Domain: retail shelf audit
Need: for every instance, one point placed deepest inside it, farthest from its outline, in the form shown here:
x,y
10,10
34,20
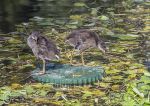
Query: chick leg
x,y
82,59
71,57
43,71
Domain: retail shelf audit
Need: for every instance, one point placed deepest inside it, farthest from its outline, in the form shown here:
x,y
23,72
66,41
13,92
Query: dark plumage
x,y
42,48
85,39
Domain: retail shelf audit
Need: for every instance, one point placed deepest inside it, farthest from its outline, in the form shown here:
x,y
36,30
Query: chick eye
x,y
77,45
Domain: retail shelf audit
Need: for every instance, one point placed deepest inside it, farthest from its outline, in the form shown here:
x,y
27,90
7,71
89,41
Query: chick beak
x,y
103,49
57,57
66,41
33,38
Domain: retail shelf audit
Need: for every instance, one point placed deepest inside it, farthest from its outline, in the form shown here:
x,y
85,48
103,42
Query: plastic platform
x,y
65,74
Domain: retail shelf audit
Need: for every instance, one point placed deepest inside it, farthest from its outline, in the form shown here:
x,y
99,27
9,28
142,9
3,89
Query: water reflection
x,y
18,11
13,12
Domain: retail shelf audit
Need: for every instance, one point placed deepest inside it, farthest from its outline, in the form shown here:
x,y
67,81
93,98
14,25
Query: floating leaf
x,y
115,87
40,100
2,102
103,18
145,79
102,84
18,93
146,73
37,86
29,89
42,93
138,92
76,17
86,94
80,4
14,41
145,87
5,95
16,86
94,11
89,25
117,77
125,37
98,93
112,71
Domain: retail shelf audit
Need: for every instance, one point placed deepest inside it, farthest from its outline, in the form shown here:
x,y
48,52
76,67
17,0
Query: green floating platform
x,y
65,74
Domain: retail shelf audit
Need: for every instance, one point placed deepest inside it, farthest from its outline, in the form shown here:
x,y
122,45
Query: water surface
x,y
126,36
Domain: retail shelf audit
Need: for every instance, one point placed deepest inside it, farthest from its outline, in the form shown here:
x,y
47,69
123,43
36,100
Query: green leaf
x,y
128,101
103,18
43,93
138,92
125,36
145,87
94,11
86,94
18,93
145,79
80,4
2,102
5,95
146,73
29,89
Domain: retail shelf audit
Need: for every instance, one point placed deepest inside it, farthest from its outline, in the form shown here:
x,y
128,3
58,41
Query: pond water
x,y
125,30
12,13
